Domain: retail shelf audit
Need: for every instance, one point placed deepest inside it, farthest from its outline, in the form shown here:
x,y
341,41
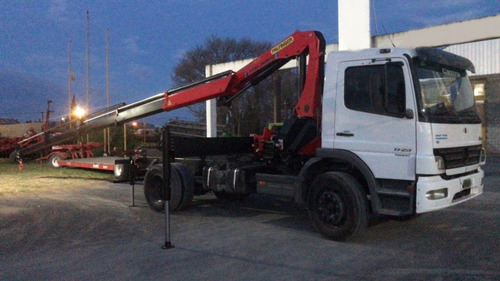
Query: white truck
x,y
385,131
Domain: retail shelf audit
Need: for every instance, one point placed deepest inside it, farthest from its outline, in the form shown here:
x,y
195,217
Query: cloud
x,y
140,71
131,44
58,10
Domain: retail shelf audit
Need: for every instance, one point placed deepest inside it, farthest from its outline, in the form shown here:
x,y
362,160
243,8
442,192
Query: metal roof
x,y
485,55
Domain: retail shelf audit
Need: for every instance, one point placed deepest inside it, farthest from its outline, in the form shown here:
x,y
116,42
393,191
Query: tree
x,y
259,105
215,50
253,108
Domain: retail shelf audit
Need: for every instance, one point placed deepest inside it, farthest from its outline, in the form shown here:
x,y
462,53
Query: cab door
x,y
375,116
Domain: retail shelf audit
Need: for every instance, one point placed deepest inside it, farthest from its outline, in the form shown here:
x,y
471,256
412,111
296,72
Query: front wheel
x,y
338,206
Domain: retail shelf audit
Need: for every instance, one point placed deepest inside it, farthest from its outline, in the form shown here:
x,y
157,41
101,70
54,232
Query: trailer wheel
x,y
54,160
181,183
338,206
12,157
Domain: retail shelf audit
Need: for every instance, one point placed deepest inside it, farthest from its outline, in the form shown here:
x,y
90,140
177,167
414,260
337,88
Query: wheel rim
x,y
55,162
331,208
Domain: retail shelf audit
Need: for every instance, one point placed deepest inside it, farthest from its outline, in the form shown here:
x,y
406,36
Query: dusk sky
x,y
147,39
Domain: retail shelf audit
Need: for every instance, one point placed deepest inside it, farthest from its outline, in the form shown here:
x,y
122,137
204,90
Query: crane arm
x,y
298,44
227,84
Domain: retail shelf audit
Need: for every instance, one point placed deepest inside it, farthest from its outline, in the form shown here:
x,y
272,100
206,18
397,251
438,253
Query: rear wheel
x,y
181,184
338,206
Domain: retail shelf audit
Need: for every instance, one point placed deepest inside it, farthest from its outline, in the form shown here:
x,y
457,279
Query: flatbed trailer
x,y
119,165
105,163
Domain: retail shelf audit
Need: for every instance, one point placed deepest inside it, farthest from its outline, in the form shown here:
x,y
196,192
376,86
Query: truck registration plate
x,y
466,183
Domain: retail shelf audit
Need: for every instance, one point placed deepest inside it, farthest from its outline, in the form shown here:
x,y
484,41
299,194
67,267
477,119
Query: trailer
x,y
104,163
68,152
117,165
80,156
10,146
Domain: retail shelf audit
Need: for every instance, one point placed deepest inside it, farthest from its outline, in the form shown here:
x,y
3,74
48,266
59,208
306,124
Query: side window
x,y
378,89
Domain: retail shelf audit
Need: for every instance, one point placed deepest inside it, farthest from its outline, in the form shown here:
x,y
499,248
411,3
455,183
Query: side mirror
x,y
409,113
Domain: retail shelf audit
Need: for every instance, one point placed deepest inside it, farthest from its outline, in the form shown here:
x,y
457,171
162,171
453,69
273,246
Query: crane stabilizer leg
x,y
166,184
132,172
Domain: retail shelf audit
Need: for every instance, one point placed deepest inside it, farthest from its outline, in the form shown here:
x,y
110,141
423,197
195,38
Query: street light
x,y
79,112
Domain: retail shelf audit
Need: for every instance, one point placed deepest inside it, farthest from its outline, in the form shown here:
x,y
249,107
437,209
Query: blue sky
x,y
147,38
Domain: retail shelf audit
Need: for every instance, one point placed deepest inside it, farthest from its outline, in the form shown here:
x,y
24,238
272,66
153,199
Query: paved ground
x,y
89,232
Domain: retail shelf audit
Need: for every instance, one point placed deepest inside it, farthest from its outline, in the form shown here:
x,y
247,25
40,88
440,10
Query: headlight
x,y
437,194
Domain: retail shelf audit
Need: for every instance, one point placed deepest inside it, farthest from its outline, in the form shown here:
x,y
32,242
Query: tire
x,y
122,170
187,183
338,207
13,157
54,159
181,184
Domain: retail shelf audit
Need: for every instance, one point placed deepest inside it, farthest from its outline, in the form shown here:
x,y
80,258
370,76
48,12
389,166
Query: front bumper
x,y
458,190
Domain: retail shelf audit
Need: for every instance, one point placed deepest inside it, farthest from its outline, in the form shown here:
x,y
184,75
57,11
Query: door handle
x,y
345,134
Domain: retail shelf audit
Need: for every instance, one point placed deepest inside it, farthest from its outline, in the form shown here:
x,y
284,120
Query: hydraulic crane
x,y
224,86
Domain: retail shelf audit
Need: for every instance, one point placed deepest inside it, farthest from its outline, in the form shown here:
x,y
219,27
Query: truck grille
x,y
457,157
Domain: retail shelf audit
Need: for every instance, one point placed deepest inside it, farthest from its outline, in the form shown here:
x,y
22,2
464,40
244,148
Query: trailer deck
x,y
106,163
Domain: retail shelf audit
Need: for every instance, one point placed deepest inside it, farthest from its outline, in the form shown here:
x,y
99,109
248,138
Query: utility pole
x,y
107,145
107,67
71,78
88,67
88,64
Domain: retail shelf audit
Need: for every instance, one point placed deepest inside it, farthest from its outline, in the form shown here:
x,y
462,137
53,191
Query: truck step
x,y
391,192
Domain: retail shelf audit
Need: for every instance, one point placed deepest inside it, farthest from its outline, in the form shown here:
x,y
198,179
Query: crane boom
x,y
224,85
297,44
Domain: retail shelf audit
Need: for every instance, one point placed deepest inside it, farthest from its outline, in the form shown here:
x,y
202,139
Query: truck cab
x,y
406,119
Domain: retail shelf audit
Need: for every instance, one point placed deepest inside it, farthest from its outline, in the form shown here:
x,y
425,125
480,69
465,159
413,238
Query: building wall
x,y
485,55
492,112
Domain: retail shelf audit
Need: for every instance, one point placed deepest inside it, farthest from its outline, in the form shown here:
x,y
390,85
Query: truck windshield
x,y
446,94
